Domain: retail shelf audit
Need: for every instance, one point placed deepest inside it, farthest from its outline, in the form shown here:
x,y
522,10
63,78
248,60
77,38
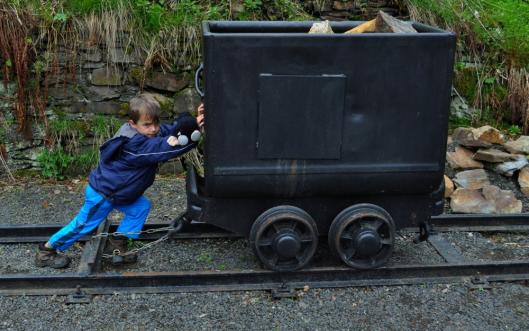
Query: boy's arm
x,y
166,129
162,148
153,150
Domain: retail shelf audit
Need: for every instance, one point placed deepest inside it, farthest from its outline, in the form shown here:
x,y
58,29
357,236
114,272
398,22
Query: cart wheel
x,y
284,238
362,236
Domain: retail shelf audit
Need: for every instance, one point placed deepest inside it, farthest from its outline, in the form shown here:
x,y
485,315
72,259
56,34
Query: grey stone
x,y
128,93
19,145
508,168
470,201
462,159
166,81
93,65
87,45
91,55
460,109
523,180
472,179
465,137
504,200
61,92
520,145
491,200
489,134
321,27
187,100
449,186
493,155
57,77
104,107
106,76
119,56
101,93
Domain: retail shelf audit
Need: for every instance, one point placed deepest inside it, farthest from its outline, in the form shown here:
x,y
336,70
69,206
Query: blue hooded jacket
x,y
128,162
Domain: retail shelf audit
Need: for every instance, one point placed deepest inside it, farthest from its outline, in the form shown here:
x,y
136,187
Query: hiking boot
x,y
48,257
117,246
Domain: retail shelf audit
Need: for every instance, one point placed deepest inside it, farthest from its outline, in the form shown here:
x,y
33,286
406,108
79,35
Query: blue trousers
x,y
94,211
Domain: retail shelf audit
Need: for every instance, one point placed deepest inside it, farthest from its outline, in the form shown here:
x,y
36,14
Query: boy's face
x,y
146,126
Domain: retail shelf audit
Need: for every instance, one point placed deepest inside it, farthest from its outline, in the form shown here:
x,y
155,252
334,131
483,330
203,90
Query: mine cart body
x,y
321,122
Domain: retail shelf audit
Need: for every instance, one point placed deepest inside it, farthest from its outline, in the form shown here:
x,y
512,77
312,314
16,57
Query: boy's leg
x,y
94,210
92,213
135,216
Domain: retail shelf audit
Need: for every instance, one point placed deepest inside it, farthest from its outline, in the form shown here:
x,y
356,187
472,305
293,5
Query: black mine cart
x,y
311,135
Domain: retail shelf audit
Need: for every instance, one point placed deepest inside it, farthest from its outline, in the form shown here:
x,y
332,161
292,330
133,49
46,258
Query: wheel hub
x,y
367,242
287,245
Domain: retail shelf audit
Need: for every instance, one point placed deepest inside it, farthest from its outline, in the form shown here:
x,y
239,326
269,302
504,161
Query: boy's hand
x,y
200,117
172,141
186,124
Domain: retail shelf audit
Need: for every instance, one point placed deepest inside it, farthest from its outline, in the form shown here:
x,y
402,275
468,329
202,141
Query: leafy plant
x,y
252,10
134,244
60,17
514,130
54,162
205,258
455,122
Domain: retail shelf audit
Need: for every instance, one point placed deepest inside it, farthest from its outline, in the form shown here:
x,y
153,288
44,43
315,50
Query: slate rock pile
x,y
477,153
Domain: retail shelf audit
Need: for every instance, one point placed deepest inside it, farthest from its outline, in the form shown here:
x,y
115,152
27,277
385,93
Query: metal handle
x,y
197,80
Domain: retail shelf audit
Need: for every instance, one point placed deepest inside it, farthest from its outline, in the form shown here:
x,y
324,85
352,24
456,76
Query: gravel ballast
x,y
432,307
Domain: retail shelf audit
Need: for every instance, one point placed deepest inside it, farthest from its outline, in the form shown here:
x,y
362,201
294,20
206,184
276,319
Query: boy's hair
x,y
145,105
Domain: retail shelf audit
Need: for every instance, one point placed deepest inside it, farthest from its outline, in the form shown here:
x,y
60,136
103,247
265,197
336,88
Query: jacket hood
x,y
109,149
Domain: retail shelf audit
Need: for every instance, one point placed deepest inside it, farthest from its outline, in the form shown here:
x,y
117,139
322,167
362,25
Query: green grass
x,y
493,39
103,127
499,25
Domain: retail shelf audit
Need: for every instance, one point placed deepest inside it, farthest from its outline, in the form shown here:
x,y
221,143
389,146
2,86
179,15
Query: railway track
x,y
88,280
28,233
32,233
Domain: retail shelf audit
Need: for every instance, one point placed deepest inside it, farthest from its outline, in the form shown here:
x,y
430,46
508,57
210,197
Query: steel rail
x,y
480,222
31,233
34,233
171,282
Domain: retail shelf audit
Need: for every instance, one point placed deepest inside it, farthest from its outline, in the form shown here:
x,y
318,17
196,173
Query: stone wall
x,y
102,81
354,10
103,84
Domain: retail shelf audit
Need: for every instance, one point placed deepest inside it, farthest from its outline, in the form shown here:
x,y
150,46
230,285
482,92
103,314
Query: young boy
x,y
126,168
